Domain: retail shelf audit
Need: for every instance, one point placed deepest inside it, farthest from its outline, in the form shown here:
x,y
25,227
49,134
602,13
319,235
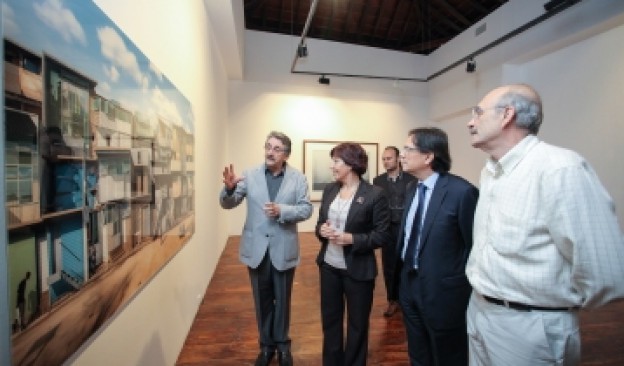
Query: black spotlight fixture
x,y
302,50
471,65
555,5
324,80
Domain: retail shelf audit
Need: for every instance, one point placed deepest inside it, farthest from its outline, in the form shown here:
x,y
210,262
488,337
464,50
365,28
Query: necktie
x,y
413,246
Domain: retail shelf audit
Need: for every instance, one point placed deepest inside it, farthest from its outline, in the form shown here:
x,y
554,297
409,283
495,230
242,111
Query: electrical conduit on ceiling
x,y
552,8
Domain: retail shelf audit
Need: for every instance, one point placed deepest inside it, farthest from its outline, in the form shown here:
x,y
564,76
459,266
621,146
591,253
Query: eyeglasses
x,y
275,149
407,149
478,111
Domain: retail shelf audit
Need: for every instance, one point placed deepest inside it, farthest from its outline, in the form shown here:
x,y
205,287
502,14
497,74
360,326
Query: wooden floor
x,y
224,332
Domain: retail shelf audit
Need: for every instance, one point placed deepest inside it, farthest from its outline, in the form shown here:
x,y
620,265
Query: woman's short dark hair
x,y
433,140
353,155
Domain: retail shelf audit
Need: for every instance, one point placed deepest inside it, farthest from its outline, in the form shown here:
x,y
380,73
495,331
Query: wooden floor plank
x,y
224,332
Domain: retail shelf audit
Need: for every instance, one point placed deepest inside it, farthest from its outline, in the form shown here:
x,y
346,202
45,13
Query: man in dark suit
x,y
433,247
394,182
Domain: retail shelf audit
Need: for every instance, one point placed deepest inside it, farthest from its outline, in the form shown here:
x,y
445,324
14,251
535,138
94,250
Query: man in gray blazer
x,y
277,199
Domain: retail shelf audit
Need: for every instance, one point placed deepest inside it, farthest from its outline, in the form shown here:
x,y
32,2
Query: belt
x,y
523,307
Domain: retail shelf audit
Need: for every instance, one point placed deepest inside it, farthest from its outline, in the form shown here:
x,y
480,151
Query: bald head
x,y
504,117
526,103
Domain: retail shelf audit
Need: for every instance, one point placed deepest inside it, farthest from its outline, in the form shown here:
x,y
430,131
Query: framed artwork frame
x,y
317,163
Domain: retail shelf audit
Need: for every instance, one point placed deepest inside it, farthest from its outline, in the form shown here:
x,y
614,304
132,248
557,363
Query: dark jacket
x,y
446,241
367,221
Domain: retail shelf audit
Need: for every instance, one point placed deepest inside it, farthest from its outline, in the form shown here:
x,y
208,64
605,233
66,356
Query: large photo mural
x,y
99,188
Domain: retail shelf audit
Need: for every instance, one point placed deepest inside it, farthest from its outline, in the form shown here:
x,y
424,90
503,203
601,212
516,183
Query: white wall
x,y
377,111
583,109
581,87
152,327
349,109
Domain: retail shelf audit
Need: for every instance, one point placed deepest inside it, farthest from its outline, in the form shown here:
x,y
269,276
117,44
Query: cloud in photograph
x,y
114,49
60,19
103,89
8,20
189,122
111,73
156,71
165,107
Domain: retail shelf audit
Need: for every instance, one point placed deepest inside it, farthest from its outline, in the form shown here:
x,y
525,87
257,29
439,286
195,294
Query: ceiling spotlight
x,y
471,65
302,50
559,4
324,80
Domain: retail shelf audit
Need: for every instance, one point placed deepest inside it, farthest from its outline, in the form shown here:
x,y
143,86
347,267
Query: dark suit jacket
x,y
446,240
398,189
367,220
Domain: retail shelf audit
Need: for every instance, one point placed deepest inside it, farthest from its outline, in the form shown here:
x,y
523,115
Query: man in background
x,y
394,183
21,301
546,239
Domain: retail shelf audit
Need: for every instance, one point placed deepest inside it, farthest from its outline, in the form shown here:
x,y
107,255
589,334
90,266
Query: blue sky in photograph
x,y
79,35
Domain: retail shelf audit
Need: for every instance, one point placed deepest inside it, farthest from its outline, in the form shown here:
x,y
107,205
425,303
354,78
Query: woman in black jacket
x,y
353,222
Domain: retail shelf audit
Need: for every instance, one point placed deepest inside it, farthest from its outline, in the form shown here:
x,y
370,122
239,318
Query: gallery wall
x,y
270,98
579,77
383,111
152,328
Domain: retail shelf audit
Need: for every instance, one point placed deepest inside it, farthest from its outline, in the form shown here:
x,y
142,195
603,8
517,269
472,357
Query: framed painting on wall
x,y
317,164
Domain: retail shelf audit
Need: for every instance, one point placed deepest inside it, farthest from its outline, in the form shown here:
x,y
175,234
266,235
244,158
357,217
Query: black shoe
x,y
264,358
284,358
393,307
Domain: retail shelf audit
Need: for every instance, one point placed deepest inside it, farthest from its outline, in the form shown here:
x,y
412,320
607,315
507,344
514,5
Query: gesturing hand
x,y
229,177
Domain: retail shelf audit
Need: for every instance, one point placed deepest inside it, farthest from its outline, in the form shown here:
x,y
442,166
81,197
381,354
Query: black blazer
x,y
367,221
446,241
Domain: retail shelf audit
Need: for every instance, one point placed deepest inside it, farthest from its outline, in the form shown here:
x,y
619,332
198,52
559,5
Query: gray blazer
x,y
261,232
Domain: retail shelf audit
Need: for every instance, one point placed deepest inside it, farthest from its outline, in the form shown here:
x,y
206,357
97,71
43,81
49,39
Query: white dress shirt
x,y
545,231
409,220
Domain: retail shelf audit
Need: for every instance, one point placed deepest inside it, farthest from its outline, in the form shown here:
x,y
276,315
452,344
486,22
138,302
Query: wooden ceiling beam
x,y
406,24
435,13
343,33
403,25
359,24
373,32
328,29
483,10
453,11
393,17
279,16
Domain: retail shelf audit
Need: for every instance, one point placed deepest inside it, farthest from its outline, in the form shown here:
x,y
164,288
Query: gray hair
x,y
527,105
283,138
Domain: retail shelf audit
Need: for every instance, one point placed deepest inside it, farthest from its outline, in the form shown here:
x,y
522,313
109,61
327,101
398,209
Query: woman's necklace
x,y
341,205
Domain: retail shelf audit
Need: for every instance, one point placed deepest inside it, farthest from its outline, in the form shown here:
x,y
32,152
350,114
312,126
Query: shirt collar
x,y
398,177
431,181
267,171
509,161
